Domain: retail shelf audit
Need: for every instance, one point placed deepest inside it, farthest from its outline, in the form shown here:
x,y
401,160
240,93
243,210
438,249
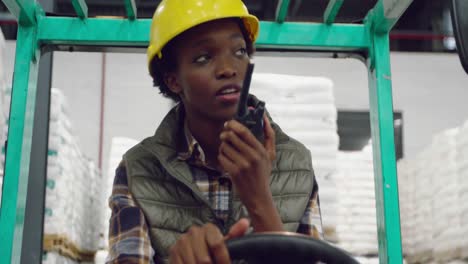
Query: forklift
x,y
39,34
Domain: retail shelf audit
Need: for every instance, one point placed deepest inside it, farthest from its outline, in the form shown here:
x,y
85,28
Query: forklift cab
x,y
39,34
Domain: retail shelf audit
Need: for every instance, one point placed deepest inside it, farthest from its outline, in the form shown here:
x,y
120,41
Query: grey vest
x,y
163,187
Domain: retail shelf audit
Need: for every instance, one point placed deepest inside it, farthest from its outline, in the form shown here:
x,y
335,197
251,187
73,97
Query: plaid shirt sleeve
x,y
129,240
311,222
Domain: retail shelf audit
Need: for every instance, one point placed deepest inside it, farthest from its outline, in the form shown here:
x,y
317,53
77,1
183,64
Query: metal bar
x,y
386,13
18,151
123,32
386,185
332,10
131,9
282,10
94,31
23,10
81,8
31,251
336,37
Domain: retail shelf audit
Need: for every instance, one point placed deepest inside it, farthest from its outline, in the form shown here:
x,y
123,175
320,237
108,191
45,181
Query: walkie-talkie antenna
x,y
242,107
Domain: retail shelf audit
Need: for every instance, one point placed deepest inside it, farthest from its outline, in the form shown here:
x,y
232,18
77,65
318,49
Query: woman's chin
x,y
227,113
225,116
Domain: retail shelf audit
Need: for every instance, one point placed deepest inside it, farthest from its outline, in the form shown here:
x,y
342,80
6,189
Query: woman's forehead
x,y
226,28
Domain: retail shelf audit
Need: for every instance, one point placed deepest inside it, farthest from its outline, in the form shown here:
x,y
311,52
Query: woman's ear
x,y
172,83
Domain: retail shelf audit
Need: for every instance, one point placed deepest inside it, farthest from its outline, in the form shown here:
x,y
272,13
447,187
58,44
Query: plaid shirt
x,y
129,240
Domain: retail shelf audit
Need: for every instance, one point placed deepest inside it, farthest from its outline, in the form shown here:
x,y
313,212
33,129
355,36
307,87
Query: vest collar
x,y
169,140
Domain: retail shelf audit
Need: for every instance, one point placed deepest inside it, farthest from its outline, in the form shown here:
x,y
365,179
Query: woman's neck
x,y
206,132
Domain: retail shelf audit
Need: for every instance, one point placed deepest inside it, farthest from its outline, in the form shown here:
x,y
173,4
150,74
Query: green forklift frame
x,y
369,40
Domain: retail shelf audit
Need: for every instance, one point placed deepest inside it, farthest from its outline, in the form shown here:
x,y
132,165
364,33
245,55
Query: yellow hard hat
x,y
173,17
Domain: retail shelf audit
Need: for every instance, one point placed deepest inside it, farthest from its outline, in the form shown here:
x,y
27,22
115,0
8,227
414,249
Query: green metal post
x,y
18,152
386,14
282,10
383,143
131,9
81,8
23,10
332,10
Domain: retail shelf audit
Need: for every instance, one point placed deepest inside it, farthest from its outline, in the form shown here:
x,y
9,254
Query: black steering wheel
x,y
285,248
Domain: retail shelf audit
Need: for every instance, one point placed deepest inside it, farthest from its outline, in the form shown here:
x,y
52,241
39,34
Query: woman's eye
x,y
201,59
241,52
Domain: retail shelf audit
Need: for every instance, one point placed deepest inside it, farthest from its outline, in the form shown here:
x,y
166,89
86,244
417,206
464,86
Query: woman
x,y
203,177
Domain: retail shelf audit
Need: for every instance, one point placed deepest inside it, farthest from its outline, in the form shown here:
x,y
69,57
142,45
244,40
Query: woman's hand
x,y
205,244
249,164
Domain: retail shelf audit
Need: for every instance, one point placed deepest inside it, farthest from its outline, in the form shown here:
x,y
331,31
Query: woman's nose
x,y
226,68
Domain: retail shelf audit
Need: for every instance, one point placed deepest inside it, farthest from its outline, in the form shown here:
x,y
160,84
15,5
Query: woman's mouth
x,y
228,94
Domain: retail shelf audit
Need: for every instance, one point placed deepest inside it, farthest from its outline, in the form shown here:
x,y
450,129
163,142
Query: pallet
x,y
65,247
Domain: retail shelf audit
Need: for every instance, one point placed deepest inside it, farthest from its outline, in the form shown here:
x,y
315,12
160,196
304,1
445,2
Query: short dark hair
x,y
168,63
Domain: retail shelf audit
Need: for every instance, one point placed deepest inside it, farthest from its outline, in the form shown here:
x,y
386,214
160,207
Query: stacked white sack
x,y
446,203
1,186
456,261
434,226
422,216
357,222
364,260
73,206
59,169
304,107
101,257
371,260
119,146
5,97
55,258
406,188
462,171
5,107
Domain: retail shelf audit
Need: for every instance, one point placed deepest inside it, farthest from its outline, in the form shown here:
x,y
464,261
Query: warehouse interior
x,y
103,102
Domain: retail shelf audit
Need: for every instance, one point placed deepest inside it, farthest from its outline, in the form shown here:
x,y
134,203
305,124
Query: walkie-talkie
x,y
251,117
